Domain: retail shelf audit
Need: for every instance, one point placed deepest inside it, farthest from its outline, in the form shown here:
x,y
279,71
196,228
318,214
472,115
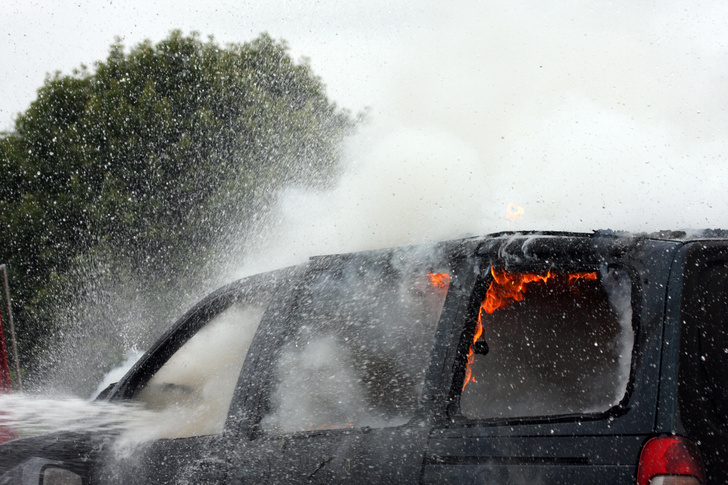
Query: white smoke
x,y
618,286
588,115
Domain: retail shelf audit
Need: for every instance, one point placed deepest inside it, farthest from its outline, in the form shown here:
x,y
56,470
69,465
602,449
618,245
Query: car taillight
x,y
670,460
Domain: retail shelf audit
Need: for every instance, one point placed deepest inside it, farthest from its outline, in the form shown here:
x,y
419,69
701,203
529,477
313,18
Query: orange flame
x,y
505,288
577,276
439,280
514,211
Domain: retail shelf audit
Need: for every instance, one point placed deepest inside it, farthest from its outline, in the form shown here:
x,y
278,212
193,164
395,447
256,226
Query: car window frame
x,y
464,329
256,402
191,322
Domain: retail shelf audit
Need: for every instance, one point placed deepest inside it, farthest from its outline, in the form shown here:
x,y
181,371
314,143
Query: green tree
x,y
147,158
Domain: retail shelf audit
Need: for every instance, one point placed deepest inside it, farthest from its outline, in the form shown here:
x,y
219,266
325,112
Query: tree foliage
x,y
149,154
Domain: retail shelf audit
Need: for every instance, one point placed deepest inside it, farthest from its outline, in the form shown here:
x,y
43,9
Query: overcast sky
x,y
351,44
588,114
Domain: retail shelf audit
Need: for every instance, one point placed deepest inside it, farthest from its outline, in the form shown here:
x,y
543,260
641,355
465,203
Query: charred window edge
x,y
464,331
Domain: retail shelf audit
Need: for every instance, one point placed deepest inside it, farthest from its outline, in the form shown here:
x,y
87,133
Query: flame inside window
x,y
505,288
441,281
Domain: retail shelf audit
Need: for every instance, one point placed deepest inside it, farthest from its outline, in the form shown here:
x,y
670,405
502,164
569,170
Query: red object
x,y
672,456
4,367
7,433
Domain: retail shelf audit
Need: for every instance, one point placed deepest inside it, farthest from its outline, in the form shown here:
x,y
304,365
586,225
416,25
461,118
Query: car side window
x,y
547,344
703,364
708,313
192,391
360,347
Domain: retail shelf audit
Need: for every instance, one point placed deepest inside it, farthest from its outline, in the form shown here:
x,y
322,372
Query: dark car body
x,y
371,368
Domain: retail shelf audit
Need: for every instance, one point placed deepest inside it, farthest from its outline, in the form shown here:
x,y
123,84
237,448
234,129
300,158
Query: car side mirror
x,y
40,471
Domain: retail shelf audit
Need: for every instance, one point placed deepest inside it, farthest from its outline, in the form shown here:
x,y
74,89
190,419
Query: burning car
x,y
547,358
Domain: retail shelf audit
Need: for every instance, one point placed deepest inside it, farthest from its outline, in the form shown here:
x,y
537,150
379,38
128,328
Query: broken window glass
x,y
193,390
360,348
549,344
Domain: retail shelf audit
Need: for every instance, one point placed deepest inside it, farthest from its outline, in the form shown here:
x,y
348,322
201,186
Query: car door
x,y
187,381
341,394
541,388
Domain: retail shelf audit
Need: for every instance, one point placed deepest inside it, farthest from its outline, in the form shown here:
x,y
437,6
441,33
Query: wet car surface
x,y
511,358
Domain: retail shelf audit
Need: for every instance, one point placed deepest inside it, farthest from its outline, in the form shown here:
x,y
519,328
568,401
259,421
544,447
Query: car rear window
x,y
546,344
361,339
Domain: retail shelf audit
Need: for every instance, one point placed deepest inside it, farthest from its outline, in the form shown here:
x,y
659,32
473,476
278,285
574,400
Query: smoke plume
x,y
589,116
